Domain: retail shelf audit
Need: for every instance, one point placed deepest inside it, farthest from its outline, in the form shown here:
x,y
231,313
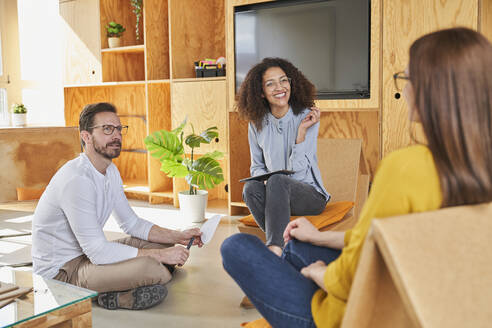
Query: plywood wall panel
x,y
361,124
31,156
405,21
132,167
120,11
159,114
157,39
486,18
204,104
81,42
239,157
121,66
198,32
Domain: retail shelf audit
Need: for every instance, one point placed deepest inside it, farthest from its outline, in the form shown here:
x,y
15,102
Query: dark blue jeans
x,y
273,284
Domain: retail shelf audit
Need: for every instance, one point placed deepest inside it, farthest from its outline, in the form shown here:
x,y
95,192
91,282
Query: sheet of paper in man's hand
x,y
209,227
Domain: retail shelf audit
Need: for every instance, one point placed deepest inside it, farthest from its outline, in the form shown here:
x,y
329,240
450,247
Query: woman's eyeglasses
x,y
284,82
108,129
400,79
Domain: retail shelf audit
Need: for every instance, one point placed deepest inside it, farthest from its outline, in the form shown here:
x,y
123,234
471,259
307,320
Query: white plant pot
x,y
19,119
192,207
114,42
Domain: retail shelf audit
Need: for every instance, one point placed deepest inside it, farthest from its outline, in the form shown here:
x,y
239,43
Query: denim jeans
x,y
273,203
273,284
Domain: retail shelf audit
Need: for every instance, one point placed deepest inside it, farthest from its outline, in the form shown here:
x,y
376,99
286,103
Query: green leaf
x,y
214,155
206,173
205,137
180,128
164,145
174,169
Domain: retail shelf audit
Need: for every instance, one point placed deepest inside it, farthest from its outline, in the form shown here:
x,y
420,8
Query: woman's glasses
x,y
108,129
400,79
284,82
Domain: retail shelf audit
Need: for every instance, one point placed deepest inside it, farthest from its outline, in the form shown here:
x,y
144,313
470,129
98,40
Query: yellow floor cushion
x,y
333,212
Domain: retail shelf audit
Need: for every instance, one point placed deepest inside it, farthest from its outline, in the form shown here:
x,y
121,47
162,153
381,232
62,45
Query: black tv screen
x,y
328,40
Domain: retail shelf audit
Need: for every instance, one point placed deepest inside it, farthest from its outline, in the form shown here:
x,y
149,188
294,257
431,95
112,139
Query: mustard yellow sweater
x,y
406,182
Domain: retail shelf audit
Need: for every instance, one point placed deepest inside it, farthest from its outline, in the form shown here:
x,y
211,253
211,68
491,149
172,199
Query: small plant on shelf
x,y
167,146
19,109
137,10
19,115
114,32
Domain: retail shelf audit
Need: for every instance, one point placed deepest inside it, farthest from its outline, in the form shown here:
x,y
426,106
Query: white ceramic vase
x,y
114,42
192,207
19,119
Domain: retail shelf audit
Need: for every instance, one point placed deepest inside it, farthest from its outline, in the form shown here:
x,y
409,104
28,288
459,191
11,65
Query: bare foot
x,y
276,250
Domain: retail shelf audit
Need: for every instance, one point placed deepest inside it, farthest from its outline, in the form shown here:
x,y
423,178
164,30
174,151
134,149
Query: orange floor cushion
x,y
260,323
29,193
333,212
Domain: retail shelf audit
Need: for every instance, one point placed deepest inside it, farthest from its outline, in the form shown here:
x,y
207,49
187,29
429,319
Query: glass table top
x,y
47,295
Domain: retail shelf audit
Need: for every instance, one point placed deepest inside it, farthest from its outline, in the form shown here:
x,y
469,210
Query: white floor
x,y
201,293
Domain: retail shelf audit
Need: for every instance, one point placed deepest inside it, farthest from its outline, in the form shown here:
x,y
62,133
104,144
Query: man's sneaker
x,y
139,298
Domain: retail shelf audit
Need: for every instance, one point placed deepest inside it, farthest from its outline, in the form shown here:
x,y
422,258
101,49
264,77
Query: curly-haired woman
x,y
277,100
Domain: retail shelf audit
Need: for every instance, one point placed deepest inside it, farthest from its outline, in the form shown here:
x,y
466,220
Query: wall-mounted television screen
x,y
328,40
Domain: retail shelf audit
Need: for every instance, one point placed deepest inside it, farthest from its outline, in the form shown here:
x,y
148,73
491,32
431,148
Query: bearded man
x,y
68,241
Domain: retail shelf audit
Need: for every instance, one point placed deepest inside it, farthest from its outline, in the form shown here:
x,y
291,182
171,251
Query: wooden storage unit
x,y
136,77
380,121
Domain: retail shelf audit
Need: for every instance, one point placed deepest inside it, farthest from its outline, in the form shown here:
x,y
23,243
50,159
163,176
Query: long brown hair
x,y
451,75
253,107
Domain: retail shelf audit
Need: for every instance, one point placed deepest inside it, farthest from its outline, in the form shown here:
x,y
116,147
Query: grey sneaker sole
x,y
143,298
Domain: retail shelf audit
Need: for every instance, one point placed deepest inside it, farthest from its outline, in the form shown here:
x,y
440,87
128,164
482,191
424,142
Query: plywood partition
x,y
239,156
354,124
45,149
123,66
404,22
203,103
120,11
157,39
486,18
197,32
159,117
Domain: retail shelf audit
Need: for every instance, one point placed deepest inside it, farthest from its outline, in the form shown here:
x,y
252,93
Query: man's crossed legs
x,y
135,284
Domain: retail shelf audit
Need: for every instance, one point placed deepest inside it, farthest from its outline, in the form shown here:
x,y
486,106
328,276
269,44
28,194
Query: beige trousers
x,y
124,275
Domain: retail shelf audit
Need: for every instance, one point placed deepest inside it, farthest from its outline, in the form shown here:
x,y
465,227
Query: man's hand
x,y
172,255
316,272
311,119
302,230
185,236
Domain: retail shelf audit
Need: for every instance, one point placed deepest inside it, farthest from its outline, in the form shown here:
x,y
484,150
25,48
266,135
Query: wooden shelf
x,y
239,204
127,49
200,79
136,186
158,81
105,84
168,193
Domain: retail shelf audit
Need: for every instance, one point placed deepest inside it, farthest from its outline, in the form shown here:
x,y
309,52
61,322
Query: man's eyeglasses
x,y
284,82
400,79
108,129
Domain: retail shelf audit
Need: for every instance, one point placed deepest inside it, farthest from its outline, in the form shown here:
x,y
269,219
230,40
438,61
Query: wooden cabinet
x,y
151,82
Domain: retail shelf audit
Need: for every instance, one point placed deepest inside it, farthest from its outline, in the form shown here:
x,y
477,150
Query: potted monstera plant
x,y
19,115
200,173
114,31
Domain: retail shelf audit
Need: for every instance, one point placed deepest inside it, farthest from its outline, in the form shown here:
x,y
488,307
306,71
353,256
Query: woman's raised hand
x,y
311,119
302,230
